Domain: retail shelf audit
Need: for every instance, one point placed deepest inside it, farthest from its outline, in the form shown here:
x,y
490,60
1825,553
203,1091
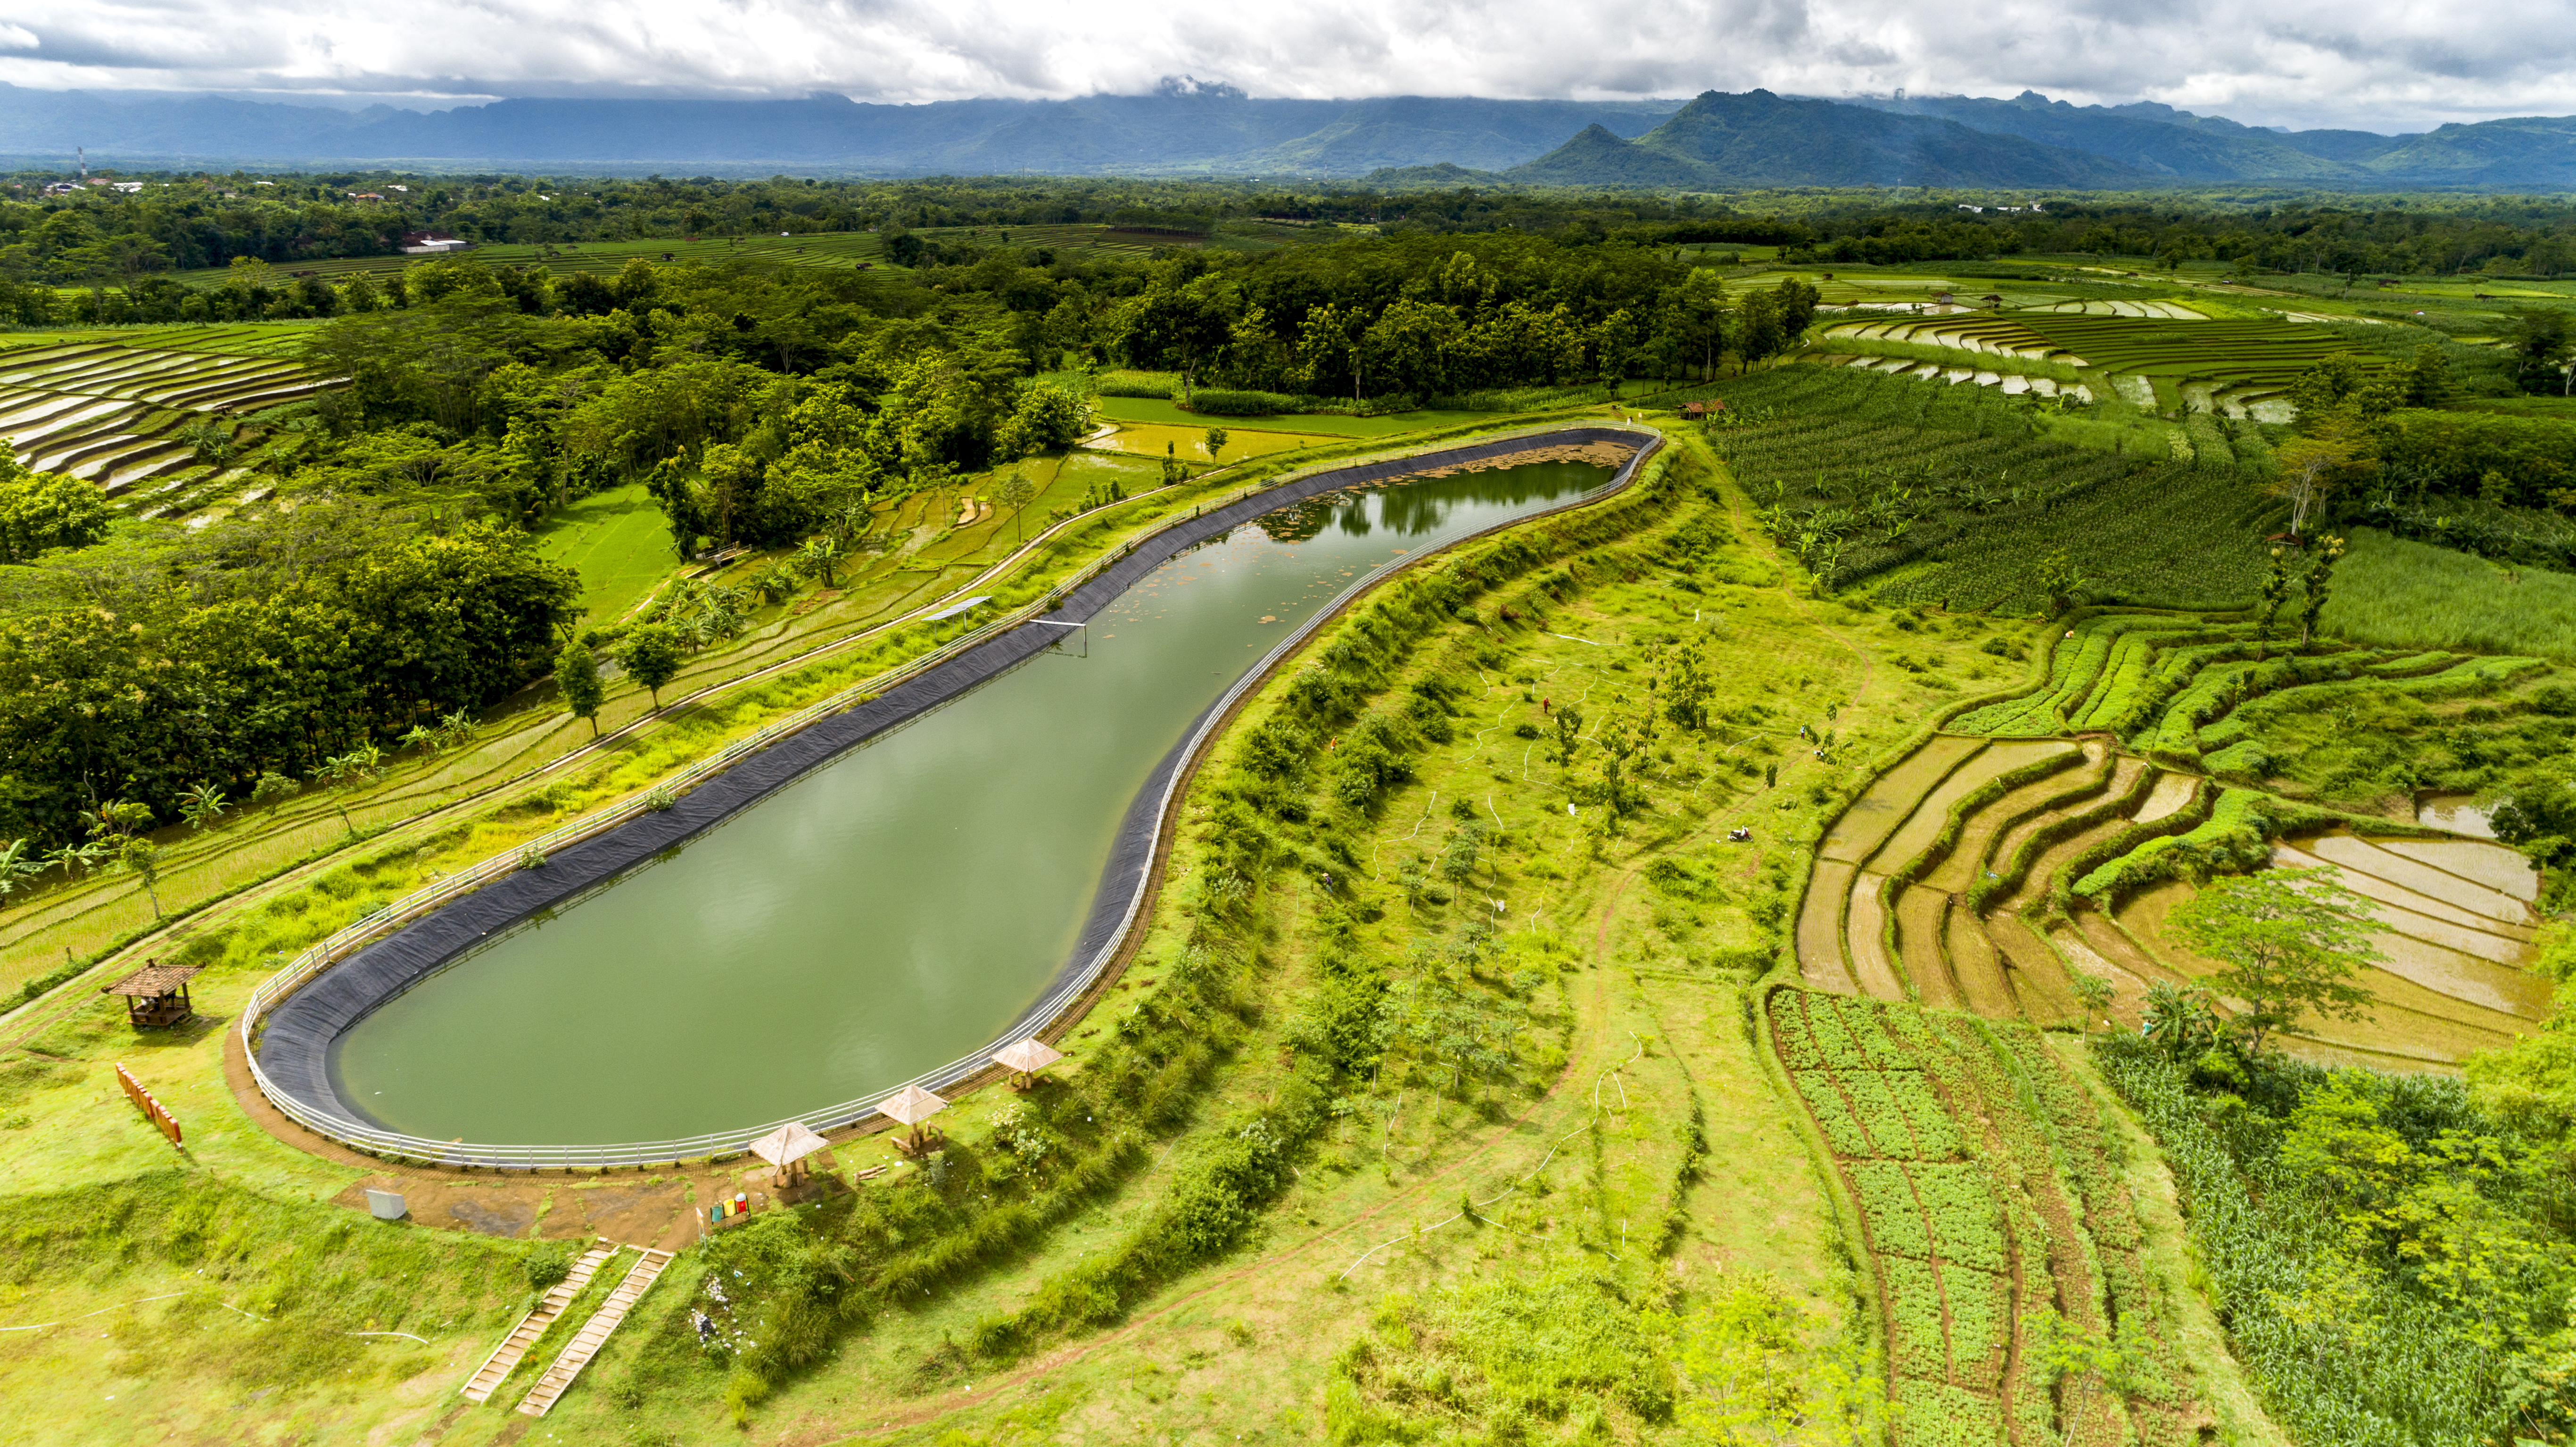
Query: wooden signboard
x,y
152,1109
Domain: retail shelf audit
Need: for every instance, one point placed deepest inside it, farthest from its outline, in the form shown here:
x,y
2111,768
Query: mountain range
x,y
1716,141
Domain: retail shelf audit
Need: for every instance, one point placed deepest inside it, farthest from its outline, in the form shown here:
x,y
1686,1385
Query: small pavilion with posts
x,y
786,1150
156,996
1024,1059
910,1107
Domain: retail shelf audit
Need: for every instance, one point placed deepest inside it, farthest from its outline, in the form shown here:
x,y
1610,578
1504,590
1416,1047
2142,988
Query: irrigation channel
x,y
866,903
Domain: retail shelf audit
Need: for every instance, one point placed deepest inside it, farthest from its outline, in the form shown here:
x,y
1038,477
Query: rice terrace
x,y
1639,797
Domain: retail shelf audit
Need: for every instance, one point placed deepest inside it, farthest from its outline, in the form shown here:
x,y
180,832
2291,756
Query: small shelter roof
x,y
912,1105
153,979
1029,1054
790,1142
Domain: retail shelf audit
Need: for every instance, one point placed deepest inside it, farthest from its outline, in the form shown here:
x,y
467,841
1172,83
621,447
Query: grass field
x,y
827,248
2394,592
244,339
618,542
1188,441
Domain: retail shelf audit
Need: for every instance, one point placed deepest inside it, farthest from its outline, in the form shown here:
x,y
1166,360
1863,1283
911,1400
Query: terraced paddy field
x,y
2049,836
112,414
1990,1198
2168,361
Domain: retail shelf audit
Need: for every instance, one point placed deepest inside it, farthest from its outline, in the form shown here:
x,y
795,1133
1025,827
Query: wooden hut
x,y
910,1107
1024,1059
156,995
786,1149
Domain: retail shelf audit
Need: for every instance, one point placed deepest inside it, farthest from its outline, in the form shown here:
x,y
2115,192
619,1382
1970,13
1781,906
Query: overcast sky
x,y
2384,65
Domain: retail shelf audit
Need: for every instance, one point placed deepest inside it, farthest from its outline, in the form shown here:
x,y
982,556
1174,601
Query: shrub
x,y
1138,384
1239,404
546,1270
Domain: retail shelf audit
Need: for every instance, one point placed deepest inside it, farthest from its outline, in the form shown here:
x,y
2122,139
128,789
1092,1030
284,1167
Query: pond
x,y
895,908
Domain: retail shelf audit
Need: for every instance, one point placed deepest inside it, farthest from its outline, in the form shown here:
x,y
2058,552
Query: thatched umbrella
x,y
912,1105
1025,1058
786,1146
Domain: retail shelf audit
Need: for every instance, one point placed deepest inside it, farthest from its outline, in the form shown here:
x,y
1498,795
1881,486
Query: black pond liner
x,y
302,1031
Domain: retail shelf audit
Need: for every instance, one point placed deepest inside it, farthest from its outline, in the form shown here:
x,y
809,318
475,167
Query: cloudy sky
x,y
2382,65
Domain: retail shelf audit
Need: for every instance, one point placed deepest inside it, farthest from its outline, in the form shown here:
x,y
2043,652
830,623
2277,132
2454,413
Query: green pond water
x,y
895,908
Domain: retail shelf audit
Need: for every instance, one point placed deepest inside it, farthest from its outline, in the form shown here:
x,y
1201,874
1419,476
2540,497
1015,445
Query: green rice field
x,y
619,544
2397,593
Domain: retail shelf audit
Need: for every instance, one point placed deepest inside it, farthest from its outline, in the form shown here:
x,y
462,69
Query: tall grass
x,y
2399,594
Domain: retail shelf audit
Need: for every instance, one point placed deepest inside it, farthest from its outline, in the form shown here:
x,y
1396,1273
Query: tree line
x,y
195,220
385,587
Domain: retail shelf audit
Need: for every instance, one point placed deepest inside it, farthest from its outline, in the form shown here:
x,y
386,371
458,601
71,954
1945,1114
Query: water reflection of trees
x,y
1412,509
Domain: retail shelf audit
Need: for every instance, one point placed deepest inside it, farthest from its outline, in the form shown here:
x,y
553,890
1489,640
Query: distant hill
x,y
1760,139
2172,146
1200,129
2523,152
1444,176
2534,152
1716,141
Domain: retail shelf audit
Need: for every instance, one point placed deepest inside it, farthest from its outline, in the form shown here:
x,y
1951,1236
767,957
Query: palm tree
x,y
818,555
17,861
201,806
66,856
348,771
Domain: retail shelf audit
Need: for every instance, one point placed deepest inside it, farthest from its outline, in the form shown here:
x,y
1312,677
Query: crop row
x,y
1859,474
1954,1292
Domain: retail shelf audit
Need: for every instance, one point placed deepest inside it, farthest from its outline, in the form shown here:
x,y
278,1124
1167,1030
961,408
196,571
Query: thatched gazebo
x,y
786,1149
911,1106
1024,1059
156,995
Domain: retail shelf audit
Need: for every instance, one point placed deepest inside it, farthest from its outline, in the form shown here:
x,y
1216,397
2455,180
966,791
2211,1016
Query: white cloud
x,y
2376,64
